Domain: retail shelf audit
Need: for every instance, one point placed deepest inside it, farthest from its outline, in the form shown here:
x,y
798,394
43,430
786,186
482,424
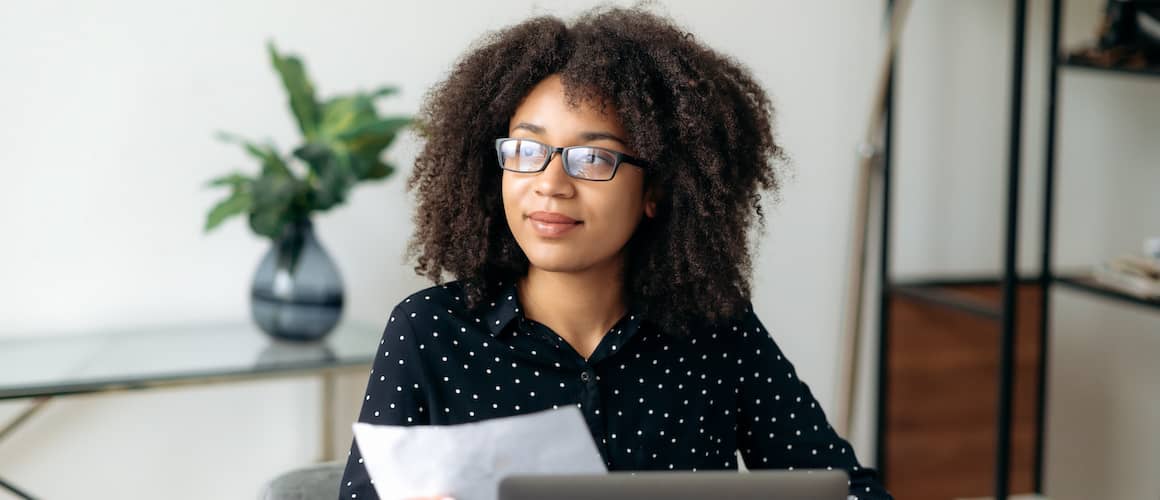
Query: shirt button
x,y
585,376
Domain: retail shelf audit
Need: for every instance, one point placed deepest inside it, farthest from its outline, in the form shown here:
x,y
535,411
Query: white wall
x,y
109,110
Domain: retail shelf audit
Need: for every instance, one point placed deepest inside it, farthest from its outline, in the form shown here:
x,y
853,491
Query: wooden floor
x,y
943,398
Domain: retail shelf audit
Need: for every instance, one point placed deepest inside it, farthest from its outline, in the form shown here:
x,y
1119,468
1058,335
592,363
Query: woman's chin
x,y
556,261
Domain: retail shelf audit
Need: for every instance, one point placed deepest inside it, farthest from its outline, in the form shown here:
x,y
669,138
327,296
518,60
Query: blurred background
x,y
107,139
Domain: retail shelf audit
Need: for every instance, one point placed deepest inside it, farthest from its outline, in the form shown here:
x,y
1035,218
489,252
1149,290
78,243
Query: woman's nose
x,y
554,181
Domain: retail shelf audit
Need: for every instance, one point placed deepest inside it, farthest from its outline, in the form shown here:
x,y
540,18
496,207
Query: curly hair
x,y
698,115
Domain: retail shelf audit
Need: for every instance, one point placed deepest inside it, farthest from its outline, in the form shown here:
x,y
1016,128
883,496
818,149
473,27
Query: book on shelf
x,y
1134,275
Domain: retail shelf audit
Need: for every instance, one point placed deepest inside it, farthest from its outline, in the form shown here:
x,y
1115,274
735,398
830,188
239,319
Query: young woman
x,y
590,187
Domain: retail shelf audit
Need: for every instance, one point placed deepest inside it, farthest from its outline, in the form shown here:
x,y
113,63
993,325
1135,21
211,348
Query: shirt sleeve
x,y
394,396
780,424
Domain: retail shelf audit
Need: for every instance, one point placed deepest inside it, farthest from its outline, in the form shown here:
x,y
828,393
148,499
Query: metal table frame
x,y
327,372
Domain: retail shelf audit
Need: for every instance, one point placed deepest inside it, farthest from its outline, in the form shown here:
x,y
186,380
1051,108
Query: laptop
x,y
752,485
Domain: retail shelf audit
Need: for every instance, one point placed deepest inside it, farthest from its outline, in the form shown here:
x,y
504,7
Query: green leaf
x,y
385,127
276,166
334,181
317,157
273,189
235,180
384,91
239,202
298,88
345,113
251,148
367,143
335,172
275,203
265,153
379,170
313,153
267,222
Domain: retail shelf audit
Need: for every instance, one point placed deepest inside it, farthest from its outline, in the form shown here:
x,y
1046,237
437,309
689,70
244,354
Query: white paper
x,y
467,461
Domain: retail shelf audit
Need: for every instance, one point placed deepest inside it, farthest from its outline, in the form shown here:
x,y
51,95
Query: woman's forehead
x,y
549,110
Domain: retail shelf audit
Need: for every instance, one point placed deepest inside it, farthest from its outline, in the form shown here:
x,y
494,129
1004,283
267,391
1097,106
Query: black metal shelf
x,y
946,292
1067,62
1090,285
945,296
1001,311
943,292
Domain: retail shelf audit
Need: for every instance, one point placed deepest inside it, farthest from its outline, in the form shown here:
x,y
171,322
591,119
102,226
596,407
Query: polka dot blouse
x,y
651,401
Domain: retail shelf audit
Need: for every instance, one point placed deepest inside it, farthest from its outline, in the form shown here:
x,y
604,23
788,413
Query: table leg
x,y
5,485
326,453
9,428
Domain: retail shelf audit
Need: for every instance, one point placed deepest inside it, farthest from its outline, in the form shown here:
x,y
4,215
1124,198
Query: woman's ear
x,y
651,195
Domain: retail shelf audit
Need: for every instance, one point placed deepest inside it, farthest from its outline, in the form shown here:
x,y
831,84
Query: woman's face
x,y
541,207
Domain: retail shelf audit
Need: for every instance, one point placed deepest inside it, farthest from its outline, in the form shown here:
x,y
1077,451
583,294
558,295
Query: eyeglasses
x,y
582,162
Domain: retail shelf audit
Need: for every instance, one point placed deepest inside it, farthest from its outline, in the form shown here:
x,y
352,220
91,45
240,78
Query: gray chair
x,y
314,482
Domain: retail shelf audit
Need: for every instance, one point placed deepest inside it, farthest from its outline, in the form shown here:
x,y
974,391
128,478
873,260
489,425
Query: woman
x,y
591,188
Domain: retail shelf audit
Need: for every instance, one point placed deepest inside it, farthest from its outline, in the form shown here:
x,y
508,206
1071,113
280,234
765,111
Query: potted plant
x,y
297,292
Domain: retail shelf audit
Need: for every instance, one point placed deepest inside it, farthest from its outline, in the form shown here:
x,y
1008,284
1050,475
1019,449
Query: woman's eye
x,y
595,159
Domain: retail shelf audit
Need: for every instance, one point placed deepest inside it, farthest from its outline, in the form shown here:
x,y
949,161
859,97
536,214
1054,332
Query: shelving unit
x,y
1057,61
940,292
1089,285
1132,71
935,291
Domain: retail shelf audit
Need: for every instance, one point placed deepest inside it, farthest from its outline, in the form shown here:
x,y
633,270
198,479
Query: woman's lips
x,y
552,230
552,224
551,217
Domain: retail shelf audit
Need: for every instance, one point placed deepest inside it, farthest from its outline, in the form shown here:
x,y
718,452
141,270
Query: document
x,y
467,461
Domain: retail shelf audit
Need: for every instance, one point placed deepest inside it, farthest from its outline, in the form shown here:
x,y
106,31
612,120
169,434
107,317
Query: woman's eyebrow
x,y
535,129
585,136
596,136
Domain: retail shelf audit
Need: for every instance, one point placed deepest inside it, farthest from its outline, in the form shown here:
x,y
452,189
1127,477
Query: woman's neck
x,y
579,307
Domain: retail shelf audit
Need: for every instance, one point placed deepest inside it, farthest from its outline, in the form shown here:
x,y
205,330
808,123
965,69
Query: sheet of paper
x,y
468,461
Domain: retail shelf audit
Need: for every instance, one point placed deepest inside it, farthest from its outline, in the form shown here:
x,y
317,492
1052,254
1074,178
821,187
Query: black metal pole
x,y
5,485
884,285
1046,275
1010,254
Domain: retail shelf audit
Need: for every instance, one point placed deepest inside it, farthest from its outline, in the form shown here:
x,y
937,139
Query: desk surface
x,y
173,355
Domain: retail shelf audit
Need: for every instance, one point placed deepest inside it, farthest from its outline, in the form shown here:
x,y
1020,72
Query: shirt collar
x,y
501,309
504,306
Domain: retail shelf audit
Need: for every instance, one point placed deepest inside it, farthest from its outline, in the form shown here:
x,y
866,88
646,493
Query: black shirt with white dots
x,y
652,401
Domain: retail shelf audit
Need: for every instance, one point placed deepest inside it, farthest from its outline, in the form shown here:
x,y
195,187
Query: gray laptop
x,y
753,485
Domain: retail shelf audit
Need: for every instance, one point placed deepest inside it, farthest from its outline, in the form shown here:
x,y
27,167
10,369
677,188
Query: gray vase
x,y
297,292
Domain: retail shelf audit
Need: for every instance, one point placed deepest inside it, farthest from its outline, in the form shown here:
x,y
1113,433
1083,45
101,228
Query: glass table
x,y
43,368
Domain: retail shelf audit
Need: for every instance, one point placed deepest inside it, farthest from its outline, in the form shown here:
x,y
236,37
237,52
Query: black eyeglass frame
x,y
563,151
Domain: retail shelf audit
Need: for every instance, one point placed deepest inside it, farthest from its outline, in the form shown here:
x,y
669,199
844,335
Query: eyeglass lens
x,y
520,155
